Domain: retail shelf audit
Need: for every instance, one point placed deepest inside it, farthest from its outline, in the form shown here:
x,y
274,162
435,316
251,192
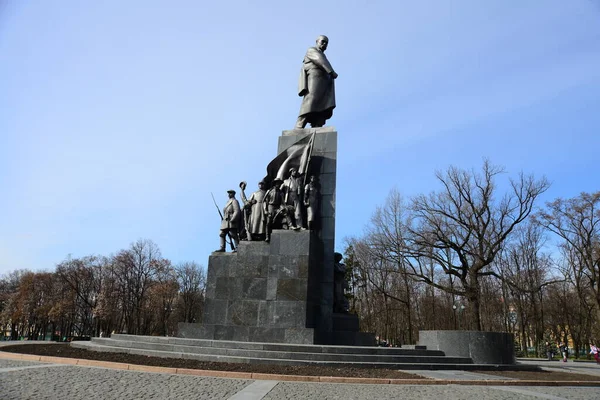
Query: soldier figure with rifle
x,y
230,219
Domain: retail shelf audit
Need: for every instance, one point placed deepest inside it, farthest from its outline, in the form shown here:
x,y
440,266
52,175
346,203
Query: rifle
x,y
221,215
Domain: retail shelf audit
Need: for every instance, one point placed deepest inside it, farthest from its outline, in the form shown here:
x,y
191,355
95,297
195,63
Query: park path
x,y
27,379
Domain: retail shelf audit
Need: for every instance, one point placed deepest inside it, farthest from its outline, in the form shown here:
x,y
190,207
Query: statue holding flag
x,y
283,204
295,156
292,190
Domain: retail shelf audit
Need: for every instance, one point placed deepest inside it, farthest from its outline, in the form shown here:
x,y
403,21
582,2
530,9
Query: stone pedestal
x,y
324,164
481,347
262,293
282,291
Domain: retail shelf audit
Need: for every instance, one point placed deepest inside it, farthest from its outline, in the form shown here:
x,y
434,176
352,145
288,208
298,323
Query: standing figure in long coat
x,y
258,216
230,223
311,201
316,84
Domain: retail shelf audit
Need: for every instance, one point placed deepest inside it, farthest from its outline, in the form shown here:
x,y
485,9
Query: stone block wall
x,y
482,347
262,293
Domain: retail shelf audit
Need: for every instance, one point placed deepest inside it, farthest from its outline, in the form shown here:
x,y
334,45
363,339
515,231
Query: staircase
x,y
404,358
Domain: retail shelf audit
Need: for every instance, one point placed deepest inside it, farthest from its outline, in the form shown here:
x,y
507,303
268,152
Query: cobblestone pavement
x,y
31,380
289,390
36,380
577,367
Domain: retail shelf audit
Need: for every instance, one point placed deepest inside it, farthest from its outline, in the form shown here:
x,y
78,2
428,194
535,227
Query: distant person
x,y
564,351
594,352
549,352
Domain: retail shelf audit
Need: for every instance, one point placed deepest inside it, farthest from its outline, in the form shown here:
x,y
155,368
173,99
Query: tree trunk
x,y
473,296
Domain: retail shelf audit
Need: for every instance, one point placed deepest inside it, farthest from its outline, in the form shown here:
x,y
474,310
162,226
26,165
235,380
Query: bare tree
x,y
526,272
162,296
83,278
192,285
462,228
9,312
136,270
386,247
577,222
578,306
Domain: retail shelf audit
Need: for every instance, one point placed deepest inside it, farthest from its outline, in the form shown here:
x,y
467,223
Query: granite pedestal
x,y
324,164
481,347
262,293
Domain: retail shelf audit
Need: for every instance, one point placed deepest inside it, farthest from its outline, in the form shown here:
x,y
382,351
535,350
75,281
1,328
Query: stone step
x,y
449,364
414,356
407,350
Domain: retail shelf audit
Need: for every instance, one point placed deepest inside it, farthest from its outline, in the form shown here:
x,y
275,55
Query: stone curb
x,y
286,378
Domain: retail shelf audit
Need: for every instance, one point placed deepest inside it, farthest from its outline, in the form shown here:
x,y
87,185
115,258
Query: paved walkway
x,y
574,367
27,379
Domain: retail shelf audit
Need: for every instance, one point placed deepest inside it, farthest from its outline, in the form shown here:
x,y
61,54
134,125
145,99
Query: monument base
x,y
246,333
482,347
282,291
266,292
270,292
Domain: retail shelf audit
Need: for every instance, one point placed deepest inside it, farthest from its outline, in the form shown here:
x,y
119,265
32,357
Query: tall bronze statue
x,y
316,84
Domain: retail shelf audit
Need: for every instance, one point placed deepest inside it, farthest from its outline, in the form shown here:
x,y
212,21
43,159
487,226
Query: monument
x,y
278,285
316,85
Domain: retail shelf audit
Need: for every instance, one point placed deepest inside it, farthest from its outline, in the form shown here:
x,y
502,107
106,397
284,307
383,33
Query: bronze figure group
x,y
283,206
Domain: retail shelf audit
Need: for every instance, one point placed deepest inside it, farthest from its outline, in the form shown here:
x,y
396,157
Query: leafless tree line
x,y
475,256
135,290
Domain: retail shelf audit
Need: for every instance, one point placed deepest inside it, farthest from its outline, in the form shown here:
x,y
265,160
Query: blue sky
x,y
118,118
